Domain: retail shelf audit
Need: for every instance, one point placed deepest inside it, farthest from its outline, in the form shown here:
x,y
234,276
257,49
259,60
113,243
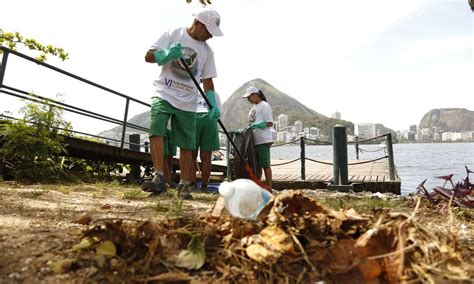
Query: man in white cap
x,y
176,95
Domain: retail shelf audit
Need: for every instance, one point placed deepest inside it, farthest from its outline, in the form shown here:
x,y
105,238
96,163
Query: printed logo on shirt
x,y
252,116
191,59
178,86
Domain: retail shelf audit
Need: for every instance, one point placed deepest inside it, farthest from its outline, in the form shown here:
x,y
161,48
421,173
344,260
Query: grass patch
x,y
134,194
205,197
160,207
367,204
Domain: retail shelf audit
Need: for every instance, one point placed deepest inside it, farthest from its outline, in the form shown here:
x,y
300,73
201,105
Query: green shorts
x,y
183,123
169,148
263,155
207,136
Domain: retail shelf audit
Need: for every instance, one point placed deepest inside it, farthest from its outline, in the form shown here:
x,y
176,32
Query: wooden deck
x,y
374,176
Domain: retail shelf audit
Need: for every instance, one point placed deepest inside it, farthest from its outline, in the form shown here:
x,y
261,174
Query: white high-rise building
x,y
298,126
336,115
367,130
314,131
283,121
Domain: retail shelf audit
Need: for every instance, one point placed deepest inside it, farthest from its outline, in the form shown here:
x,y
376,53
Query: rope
x,y
365,140
291,142
369,161
372,151
320,162
319,142
285,163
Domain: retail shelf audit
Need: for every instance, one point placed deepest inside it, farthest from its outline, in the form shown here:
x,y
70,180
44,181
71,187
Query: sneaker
x,y
156,185
184,191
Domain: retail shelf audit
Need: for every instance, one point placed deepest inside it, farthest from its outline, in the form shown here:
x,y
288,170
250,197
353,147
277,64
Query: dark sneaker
x,y
184,191
156,185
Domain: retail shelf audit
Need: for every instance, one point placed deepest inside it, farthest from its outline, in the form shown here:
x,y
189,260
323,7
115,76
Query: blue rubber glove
x,y
214,112
163,56
262,125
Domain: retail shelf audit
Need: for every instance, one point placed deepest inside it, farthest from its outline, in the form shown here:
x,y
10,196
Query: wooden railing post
x,y
340,167
303,159
391,162
357,146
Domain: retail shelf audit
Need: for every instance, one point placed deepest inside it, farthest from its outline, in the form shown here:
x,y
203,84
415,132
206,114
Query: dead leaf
x,y
277,239
371,269
62,266
258,253
106,248
169,277
342,257
85,243
193,257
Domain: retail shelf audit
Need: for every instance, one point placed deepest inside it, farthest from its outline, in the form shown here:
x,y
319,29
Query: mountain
x,y
236,109
449,120
142,119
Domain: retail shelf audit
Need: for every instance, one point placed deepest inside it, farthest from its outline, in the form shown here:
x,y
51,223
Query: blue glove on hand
x,y
163,56
262,125
214,112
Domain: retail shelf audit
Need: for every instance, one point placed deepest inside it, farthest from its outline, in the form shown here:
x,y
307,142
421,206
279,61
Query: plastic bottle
x,y
244,198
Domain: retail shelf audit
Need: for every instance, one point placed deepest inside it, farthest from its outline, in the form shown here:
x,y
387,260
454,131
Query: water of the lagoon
x,y
414,162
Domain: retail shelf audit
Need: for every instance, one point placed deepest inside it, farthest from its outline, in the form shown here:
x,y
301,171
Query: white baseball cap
x,y
212,20
250,90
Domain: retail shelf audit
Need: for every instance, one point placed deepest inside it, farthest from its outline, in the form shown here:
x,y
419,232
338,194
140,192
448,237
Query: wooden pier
x,y
373,176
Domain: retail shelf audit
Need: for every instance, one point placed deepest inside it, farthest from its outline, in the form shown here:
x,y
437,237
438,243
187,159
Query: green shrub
x,y
31,147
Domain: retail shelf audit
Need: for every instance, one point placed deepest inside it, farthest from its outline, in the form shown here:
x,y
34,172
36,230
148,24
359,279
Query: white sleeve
x,y
209,67
268,113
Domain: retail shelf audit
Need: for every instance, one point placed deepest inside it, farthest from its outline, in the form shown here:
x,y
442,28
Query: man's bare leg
x,y
186,167
206,166
157,184
157,153
194,165
268,176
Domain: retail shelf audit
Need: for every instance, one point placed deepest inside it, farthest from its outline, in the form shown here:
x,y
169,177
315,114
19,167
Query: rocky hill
x,y
236,109
449,120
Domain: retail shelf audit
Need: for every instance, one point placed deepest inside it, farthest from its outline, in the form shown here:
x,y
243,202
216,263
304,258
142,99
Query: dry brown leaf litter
x,y
295,240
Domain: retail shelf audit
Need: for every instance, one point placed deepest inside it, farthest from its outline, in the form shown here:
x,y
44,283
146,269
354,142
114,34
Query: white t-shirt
x,y
174,84
202,105
261,112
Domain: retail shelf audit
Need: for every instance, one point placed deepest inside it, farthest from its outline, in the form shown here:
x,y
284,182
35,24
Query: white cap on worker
x,y
212,20
250,90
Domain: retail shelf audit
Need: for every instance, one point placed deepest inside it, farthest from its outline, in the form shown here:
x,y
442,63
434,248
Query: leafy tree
x,y
13,39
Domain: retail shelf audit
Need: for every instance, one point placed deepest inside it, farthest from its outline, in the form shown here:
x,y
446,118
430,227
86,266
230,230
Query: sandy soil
x,y
38,223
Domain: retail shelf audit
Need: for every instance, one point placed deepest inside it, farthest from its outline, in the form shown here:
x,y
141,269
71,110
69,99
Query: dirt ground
x,y
39,223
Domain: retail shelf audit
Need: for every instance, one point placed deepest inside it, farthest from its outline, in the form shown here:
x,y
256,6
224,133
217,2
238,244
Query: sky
x,y
374,61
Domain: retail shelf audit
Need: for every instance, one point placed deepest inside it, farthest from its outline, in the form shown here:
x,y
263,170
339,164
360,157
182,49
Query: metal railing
x,y
15,92
388,149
